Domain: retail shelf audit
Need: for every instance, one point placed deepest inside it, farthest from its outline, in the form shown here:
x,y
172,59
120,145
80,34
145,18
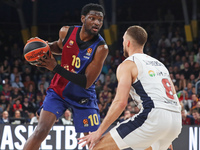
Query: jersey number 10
x,y
93,119
76,61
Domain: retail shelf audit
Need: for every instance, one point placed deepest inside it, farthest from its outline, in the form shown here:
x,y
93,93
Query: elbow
x,y
87,83
123,104
87,86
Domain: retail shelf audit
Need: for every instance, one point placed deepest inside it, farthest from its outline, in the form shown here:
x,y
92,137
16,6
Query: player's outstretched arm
x,y
126,74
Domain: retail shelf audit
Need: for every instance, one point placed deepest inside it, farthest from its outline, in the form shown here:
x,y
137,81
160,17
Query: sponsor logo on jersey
x,y
161,73
85,123
66,67
73,71
151,73
89,51
86,57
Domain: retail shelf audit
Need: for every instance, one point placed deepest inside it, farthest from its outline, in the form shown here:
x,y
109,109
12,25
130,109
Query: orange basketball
x,y
35,47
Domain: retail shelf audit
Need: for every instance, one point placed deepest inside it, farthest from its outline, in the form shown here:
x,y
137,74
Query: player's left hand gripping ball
x,y
35,47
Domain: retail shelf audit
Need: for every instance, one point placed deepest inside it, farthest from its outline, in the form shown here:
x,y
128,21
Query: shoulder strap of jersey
x,y
71,28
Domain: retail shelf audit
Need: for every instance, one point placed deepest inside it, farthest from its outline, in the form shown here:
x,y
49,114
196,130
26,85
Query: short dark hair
x,y
138,34
91,6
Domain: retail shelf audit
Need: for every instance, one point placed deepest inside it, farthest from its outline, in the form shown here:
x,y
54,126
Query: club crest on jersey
x,y
71,42
89,51
151,73
85,123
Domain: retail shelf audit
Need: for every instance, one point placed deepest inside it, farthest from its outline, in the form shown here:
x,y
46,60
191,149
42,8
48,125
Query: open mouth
x,y
95,29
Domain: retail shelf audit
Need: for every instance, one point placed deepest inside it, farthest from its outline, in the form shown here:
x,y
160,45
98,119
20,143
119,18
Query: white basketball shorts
x,y
154,127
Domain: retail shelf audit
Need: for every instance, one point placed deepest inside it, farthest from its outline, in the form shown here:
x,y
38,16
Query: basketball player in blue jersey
x,y
83,53
148,82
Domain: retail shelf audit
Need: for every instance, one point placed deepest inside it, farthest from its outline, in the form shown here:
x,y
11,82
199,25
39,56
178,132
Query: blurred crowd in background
x,y
23,86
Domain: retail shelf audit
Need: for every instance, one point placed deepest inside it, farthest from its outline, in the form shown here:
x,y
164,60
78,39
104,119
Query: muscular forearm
x,y
55,49
114,112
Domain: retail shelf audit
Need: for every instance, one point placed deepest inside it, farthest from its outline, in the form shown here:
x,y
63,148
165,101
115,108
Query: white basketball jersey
x,y
152,87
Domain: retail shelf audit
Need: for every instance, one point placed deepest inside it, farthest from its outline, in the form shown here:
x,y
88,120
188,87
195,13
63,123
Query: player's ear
x,y
82,18
128,43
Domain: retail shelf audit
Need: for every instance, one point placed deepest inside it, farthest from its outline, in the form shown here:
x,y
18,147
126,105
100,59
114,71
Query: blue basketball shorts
x,y
85,116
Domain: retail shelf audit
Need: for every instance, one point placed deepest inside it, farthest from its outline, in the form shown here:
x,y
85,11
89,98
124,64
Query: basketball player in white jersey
x,y
147,80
